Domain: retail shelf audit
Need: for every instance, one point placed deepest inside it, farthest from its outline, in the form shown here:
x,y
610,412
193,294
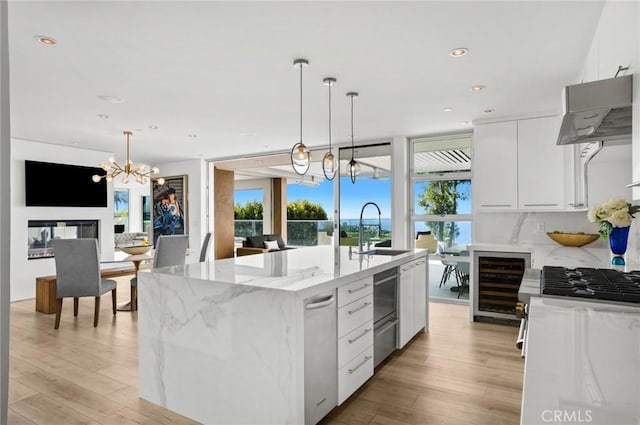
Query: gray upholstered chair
x,y
171,250
206,247
78,275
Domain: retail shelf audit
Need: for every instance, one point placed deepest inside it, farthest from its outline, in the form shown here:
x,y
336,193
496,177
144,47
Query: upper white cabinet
x,y
518,166
495,166
541,177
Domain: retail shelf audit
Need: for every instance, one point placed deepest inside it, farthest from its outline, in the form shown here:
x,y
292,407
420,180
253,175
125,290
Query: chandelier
x,y
142,173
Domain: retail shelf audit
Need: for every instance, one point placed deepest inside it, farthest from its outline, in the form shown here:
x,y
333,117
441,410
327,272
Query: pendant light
x,y
353,168
300,155
141,173
329,160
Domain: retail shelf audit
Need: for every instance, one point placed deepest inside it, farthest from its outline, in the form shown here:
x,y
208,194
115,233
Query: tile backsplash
x,y
531,228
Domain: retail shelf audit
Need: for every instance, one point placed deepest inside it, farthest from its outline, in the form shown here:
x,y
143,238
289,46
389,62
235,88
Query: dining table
x,y
137,260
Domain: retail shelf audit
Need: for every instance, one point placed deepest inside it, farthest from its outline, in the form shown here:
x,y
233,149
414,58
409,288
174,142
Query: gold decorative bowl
x,y
573,239
135,250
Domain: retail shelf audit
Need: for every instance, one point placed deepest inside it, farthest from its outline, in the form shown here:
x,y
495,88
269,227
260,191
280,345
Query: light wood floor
x,y
460,373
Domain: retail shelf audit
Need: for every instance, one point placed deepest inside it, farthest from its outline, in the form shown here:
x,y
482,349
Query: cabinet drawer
x,y
355,314
355,342
354,290
354,374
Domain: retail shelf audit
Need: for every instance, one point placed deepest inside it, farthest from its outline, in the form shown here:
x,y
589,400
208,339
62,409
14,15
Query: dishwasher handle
x,y
320,302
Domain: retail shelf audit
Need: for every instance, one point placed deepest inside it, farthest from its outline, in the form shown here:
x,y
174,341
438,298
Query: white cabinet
x,y
406,305
420,300
495,168
518,166
412,300
355,336
541,177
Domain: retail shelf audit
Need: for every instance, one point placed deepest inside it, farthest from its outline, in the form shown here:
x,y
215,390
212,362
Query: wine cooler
x,y
497,278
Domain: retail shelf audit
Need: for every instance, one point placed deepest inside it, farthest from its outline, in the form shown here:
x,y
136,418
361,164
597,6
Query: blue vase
x,y
618,242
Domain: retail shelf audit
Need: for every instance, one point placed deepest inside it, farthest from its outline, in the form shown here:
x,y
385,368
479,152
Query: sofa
x,y
256,245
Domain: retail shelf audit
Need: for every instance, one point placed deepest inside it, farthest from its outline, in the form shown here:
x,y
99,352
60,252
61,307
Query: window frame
x,y
436,176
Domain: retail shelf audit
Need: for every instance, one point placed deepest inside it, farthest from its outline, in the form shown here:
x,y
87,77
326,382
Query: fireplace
x,y
42,234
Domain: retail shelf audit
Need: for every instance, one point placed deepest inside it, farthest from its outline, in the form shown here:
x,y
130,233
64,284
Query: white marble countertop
x,y
582,362
296,270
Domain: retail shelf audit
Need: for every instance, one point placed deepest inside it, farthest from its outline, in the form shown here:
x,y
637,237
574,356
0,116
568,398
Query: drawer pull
x,y
366,285
320,303
366,331
362,363
540,205
359,308
322,400
495,205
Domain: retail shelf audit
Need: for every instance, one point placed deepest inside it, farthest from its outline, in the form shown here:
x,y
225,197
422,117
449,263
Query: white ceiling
x,y
223,70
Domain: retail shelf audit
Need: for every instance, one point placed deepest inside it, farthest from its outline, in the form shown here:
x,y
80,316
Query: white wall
x,y
615,42
197,225
5,216
23,271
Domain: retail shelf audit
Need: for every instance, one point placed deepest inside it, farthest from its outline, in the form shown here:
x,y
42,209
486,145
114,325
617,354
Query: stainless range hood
x,y
598,111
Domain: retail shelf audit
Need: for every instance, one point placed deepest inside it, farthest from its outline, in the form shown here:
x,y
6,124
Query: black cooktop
x,y
597,284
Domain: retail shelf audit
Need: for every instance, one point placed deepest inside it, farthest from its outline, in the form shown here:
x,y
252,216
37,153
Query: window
x,y
441,205
248,212
121,208
310,212
146,213
373,184
442,190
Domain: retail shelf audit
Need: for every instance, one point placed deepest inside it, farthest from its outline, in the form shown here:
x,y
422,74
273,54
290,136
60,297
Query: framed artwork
x,y
169,209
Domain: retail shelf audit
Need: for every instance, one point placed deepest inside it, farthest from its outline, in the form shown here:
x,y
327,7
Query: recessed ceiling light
x,y
458,52
488,111
153,127
192,135
111,99
260,161
103,116
47,41
477,88
139,129
448,109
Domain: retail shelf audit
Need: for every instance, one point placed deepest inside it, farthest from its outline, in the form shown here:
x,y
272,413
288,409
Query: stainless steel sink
x,y
379,251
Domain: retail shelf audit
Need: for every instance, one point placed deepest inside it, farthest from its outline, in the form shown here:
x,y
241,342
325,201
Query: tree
x,y
305,210
439,198
298,232
248,219
252,210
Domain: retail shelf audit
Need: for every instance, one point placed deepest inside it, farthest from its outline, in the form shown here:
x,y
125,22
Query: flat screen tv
x,y
62,185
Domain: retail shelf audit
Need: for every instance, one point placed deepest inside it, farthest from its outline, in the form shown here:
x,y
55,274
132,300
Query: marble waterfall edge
x,y
195,335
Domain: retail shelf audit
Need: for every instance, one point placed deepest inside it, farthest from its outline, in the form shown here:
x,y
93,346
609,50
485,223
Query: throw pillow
x,y
271,245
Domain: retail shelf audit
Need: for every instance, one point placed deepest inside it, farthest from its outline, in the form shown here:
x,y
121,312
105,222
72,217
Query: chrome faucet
x,y
360,224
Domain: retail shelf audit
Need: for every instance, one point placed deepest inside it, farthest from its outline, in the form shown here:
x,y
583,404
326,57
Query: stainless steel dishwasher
x,y
385,314
320,356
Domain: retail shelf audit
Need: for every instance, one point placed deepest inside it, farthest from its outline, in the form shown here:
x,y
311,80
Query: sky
x,y
353,196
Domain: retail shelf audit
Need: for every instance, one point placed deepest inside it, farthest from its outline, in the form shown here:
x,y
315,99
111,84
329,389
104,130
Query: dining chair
x,y
78,275
206,247
170,250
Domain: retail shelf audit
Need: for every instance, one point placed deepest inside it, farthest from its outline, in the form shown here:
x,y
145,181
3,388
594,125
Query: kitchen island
x,y
224,341
582,363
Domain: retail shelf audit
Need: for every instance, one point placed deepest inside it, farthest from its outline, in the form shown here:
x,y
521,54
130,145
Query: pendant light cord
x,y
330,84
301,103
352,147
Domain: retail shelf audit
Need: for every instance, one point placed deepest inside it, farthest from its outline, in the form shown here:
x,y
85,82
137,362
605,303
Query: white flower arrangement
x,y
615,213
